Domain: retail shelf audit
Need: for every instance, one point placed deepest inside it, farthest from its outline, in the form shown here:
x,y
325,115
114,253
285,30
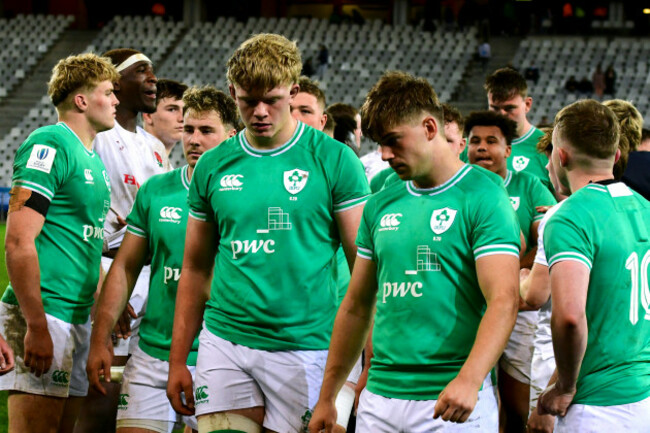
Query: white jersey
x,y
167,164
130,159
373,164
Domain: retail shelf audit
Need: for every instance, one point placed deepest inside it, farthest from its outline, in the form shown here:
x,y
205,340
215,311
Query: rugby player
x,y
445,292
166,123
268,210
59,199
490,136
156,227
597,249
507,93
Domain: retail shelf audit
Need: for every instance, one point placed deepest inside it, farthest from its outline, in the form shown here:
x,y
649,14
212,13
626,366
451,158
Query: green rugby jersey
x,y
607,228
159,214
525,157
378,180
54,163
425,244
526,192
274,287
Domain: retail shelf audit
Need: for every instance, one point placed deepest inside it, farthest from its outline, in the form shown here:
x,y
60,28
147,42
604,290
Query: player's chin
x,y
485,163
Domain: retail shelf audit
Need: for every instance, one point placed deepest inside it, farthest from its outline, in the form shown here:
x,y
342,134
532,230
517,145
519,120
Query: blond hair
x,y
631,123
397,97
81,72
265,61
207,98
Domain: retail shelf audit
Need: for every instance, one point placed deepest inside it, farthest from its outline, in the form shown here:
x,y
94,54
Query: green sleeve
x,y
41,165
137,221
365,244
377,182
565,239
496,228
350,183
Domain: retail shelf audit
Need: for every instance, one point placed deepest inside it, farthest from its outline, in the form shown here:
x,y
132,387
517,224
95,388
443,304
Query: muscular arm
x,y
535,290
348,225
118,285
351,329
569,283
498,277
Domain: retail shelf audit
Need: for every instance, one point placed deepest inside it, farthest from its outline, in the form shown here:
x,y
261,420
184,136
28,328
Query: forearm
x,y
535,290
491,338
569,345
193,292
24,274
350,334
112,300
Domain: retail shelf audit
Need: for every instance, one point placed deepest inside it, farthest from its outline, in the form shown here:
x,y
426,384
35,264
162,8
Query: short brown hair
x,y
453,115
265,61
81,72
307,85
207,98
505,83
631,123
590,127
169,89
395,98
330,124
507,126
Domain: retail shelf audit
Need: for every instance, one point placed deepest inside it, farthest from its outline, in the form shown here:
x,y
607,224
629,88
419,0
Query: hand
x,y
120,221
555,401
540,423
523,274
99,363
123,326
456,402
543,209
323,418
6,357
39,351
361,385
180,381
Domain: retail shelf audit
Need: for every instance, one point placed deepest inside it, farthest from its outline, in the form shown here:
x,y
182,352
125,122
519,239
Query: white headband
x,y
135,58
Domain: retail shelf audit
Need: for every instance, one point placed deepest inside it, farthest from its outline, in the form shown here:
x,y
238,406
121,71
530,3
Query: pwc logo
x,y
231,182
170,214
390,221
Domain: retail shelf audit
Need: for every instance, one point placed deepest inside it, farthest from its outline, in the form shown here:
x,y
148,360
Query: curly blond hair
x,y
80,72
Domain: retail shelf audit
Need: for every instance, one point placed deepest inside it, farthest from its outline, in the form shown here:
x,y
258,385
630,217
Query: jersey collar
x,y
508,178
300,128
413,190
524,137
67,128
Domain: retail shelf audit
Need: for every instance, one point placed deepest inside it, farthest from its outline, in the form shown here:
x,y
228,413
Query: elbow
x,y
571,320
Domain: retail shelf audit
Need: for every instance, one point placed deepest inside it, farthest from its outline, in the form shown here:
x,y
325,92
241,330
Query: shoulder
x,y
479,178
54,135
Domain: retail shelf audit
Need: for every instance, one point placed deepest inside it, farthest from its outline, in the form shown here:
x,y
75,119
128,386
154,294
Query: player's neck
x,y
277,140
81,127
523,128
126,118
580,179
439,174
503,172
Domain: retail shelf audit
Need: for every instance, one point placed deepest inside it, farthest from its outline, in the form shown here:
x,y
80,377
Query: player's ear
x,y
563,156
617,156
146,117
80,100
233,95
529,103
323,121
508,150
116,86
293,91
232,132
431,127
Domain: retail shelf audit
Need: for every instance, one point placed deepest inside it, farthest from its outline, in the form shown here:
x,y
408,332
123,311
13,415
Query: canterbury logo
x,y
231,181
170,213
390,220
60,377
200,393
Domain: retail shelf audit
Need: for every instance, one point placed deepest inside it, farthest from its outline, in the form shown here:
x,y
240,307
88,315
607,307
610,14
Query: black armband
x,y
38,202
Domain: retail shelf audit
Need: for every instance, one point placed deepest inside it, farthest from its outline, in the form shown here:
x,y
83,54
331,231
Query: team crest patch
x,y
442,219
41,158
520,162
515,202
295,180
159,159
